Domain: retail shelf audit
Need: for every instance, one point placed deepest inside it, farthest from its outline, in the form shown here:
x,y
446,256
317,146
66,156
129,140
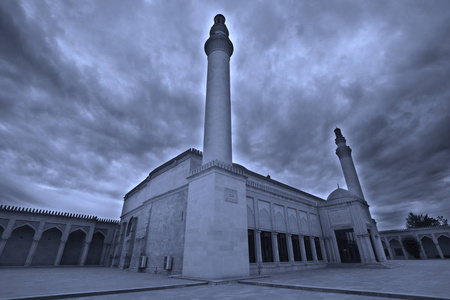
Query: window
x,y
266,246
282,247
251,246
296,248
309,255
318,250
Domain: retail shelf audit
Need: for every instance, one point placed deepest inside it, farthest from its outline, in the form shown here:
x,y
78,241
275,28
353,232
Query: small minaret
x,y
217,135
345,157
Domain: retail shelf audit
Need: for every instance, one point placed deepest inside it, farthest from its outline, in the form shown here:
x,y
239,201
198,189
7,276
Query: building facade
x,y
31,237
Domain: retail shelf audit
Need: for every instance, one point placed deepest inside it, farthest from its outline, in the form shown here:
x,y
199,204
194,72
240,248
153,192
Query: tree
x,y
412,246
418,221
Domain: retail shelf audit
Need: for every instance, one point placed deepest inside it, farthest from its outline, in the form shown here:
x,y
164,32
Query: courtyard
x,y
414,279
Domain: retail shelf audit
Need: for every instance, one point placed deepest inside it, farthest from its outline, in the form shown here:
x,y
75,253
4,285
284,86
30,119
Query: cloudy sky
x,y
96,94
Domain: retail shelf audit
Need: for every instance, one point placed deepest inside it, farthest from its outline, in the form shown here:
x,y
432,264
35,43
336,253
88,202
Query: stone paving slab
x,y
232,291
16,283
417,279
429,279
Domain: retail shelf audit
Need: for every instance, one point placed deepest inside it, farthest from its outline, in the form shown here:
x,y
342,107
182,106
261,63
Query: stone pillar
x,y
2,244
348,167
6,234
422,254
276,254
322,248
388,245
217,134
362,246
258,247
290,248
302,248
106,248
335,246
84,253
62,245
378,247
312,242
405,254
36,239
32,251
438,247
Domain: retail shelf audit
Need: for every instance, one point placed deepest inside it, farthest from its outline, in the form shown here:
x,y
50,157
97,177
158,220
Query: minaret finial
x,y
218,37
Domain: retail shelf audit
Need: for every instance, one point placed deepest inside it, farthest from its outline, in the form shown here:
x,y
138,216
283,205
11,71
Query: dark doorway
x,y
95,249
251,246
17,247
47,248
266,246
73,248
348,249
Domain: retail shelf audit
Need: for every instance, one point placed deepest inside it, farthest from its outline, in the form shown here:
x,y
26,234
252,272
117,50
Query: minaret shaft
x,y
348,167
217,134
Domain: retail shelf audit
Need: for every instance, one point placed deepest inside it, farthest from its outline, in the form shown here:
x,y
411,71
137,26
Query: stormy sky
x,y
96,94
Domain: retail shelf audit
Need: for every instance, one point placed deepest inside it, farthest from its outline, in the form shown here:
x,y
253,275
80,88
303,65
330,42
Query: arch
x,y
80,229
48,246
264,219
397,249
73,248
280,223
444,243
95,249
429,247
17,246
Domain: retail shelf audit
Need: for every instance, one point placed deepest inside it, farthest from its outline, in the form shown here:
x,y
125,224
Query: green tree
x,y
417,221
411,246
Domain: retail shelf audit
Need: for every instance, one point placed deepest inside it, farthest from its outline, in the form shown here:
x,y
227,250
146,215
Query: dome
x,y
342,194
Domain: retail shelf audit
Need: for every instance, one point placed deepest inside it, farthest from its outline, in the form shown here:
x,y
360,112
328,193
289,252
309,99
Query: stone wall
x,y
157,230
38,237
434,242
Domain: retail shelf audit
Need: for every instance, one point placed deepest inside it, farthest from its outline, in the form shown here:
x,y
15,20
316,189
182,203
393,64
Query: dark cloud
x,y
93,96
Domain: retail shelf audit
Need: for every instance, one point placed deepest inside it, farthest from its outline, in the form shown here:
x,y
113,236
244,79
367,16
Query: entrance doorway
x,y
348,249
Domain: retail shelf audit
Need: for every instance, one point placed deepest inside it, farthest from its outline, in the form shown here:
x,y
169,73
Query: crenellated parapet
x,y
9,208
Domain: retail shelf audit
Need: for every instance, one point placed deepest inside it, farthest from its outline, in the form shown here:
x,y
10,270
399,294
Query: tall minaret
x,y
217,135
345,157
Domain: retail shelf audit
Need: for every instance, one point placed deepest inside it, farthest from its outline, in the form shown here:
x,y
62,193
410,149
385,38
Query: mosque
x,y
202,216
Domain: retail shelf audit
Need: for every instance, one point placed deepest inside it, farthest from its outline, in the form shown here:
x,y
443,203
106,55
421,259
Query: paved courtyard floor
x,y
428,279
